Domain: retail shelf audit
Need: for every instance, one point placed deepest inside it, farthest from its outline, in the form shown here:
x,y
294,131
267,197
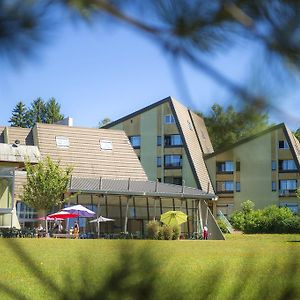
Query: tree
x,y
104,122
19,116
225,127
46,184
53,111
37,112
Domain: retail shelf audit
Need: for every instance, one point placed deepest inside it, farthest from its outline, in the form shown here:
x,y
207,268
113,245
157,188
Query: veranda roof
x,y
136,188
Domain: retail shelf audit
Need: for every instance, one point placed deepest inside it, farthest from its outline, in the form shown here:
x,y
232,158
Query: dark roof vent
x,y
16,143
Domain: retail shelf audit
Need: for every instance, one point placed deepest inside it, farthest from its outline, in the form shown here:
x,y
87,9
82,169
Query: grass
x,y
242,267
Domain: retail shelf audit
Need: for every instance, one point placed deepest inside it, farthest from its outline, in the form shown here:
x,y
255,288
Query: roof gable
x,y
246,140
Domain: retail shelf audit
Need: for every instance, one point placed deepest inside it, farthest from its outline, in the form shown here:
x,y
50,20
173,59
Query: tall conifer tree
x,y
19,116
53,111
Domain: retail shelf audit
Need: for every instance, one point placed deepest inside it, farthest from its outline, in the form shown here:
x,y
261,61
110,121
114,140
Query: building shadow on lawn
x,y
136,274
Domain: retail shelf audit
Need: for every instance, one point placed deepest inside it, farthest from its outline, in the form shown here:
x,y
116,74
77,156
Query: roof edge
x,y
245,140
122,119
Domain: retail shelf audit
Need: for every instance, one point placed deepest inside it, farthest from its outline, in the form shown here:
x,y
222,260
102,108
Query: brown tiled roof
x,y
202,133
84,152
193,146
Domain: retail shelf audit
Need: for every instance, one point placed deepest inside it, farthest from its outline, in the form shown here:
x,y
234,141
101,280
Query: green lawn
x,y
242,267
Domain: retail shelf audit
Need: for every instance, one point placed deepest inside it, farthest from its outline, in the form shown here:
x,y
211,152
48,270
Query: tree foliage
x,y
19,116
46,184
38,112
53,113
297,134
104,122
227,126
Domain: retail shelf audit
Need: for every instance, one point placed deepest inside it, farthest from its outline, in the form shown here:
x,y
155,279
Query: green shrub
x,y
175,232
237,220
160,233
167,232
153,229
271,219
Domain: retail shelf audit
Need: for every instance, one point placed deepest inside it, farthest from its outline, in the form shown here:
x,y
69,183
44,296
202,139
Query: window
x,y
225,186
158,161
283,145
135,141
238,186
169,119
287,165
292,206
225,167
287,185
24,211
158,140
173,161
106,145
62,142
273,186
172,140
173,180
273,165
238,166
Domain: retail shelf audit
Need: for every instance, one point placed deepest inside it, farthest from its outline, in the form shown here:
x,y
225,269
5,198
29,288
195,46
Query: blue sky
x,y
111,71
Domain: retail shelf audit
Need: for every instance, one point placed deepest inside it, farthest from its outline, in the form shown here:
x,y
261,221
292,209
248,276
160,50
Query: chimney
x,y
66,121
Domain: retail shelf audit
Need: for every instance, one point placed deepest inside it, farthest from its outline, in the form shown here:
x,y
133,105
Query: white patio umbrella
x,y
99,220
81,210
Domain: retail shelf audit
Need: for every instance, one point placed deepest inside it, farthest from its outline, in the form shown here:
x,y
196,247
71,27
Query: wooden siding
x,y
193,147
202,133
85,154
24,135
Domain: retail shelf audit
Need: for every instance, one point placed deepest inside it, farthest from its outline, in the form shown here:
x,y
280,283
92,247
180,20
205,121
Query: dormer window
x,y
62,142
106,145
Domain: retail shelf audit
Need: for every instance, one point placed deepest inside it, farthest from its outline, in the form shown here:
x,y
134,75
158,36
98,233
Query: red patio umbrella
x,y
63,215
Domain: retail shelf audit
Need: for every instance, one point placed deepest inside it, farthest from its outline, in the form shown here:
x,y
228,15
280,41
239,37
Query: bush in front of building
x,y
167,232
164,232
153,229
271,219
176,232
